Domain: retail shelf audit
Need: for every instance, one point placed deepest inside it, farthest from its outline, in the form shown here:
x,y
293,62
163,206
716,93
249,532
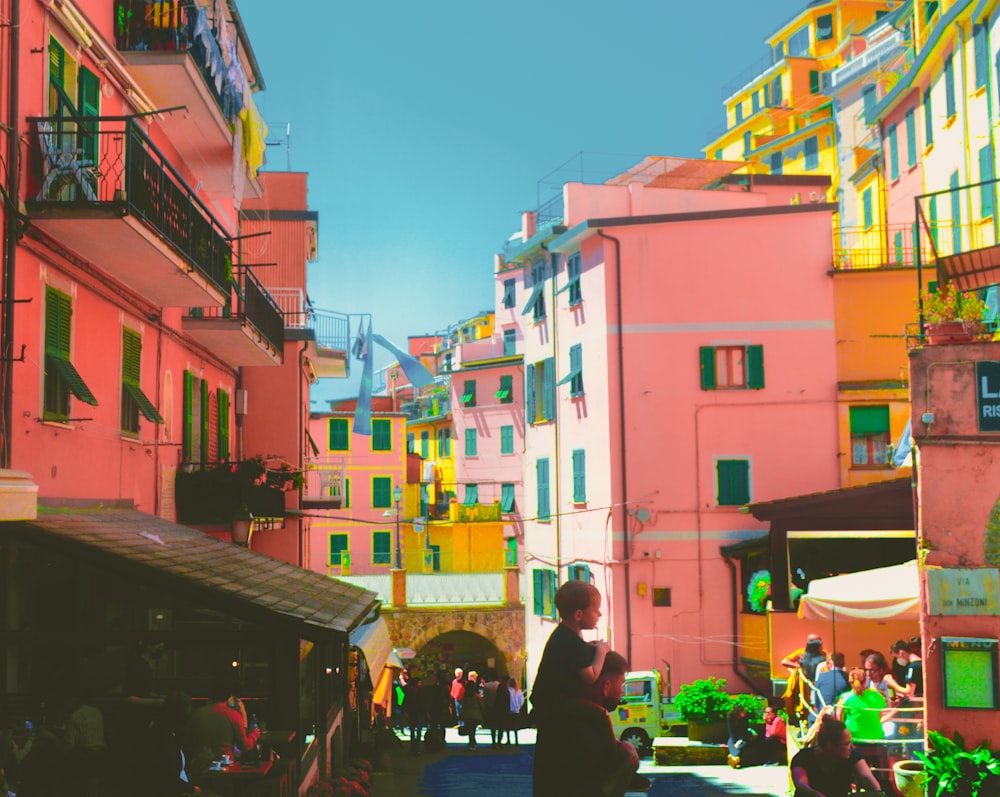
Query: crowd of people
x,y
470,700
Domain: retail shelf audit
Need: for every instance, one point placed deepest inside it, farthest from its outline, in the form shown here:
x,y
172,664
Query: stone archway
x,y
503,627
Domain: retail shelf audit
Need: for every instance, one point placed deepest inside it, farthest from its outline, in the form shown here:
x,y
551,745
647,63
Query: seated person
x,y
219,727
861,709
775,734
833,768
582,757
740,737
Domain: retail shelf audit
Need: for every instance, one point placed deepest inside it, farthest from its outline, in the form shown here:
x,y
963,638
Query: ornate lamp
x,y
242,526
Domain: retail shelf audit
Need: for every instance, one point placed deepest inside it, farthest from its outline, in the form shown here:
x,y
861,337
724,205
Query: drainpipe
x,y
555,409
736,611
621,431
10,232
301,461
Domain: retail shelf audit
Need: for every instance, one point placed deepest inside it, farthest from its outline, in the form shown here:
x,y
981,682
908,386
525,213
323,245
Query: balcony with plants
x,y
186,57
217,493
327,332
95,179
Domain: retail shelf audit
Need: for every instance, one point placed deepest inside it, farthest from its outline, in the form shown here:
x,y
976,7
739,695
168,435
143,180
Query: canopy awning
x,y
880,594
374,642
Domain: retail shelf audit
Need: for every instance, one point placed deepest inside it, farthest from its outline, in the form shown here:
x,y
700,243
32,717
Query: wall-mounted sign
x,y
988,395
969,672
955,591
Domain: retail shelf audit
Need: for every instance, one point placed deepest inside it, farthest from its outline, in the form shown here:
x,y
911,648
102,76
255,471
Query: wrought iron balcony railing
x,y
332,329
109,163
254,306
214,493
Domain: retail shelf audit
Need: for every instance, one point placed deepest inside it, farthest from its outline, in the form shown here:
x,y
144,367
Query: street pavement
x,y
506,772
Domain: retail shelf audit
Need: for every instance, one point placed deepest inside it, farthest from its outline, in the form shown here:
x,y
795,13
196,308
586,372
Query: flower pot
x,y
714,732
909,777
946,332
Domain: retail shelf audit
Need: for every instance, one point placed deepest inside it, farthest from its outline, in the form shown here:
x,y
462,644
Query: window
x,y
544,592
509,342
410,443
866,208
982,55
506,439
733,480
542,482
930,9
738,110
949,86
536,303
746,143
347,493
727,367
718,154
798,42
339,554
575,375
779,52
506,391
339,435
469,393
471,494
509,293
62,80
870,436
893,152
425,500
579,476
986,192
897,247
510,553
195,431
933,219
223,402
578,573
755,102
471,443
381,435
573,274
661,596
134,401
813,81
811,149
444,443
824,27
929,117
425,444
506,498
381,547
540,391
777,162
776,91
382,492
911,137
61,378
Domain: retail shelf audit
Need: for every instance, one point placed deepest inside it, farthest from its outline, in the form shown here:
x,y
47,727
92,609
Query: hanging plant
x,y
759,590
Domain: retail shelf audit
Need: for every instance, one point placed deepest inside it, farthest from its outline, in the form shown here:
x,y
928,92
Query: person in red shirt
x,y
775,734
457,692
219,728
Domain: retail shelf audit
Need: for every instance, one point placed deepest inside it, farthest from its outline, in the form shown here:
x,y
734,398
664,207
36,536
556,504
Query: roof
x,y
890,500
197,562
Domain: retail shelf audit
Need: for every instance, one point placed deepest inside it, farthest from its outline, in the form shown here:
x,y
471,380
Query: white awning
x,y
880,594
375,644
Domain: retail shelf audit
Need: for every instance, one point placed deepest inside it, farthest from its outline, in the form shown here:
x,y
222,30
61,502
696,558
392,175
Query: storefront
x,y
87,593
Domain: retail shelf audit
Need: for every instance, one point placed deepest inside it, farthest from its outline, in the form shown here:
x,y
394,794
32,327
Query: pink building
x,y
677,332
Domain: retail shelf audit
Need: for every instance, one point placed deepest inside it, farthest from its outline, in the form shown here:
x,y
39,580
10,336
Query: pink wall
x,y
900,208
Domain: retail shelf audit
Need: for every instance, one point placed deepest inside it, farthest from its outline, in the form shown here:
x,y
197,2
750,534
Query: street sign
x,y
988,395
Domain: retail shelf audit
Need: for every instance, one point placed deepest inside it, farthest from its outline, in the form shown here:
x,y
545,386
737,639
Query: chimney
x,y
529,224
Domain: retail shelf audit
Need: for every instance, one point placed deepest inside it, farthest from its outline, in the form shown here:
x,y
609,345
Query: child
x,y
568,662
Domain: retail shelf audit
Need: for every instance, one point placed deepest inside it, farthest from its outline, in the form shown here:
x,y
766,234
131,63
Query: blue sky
x,y
426,127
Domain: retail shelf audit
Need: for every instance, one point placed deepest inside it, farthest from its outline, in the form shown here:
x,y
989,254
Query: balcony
x,y
213,494
873,247
253,335
327,333
325,482
436,404
438,589
874,56
100,179
182,58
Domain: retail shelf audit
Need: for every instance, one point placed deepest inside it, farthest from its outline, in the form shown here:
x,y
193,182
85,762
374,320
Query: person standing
x,y
473,711
500,715
457,693
516,704
415,708
831,683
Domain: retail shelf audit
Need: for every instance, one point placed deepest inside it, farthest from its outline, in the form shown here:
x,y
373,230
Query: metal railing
x,y
891,46
256,306
108,161
332,329
747,74
873,247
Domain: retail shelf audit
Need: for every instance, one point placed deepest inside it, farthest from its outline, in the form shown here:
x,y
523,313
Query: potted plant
x,y
951,769
703,705
951,315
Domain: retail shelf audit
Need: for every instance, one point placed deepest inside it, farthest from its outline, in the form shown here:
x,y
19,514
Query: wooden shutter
x,y
538,591
755,367
529,392
706,355
212,435
542,478
867,420
88,102
131,355
549,388
58,318
204,426
223,425
188,435
579,476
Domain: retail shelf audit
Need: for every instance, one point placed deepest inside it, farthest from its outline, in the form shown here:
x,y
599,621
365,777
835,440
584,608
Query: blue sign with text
x,y
988,395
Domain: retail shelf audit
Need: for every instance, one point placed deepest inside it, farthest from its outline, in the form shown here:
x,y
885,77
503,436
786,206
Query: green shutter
x,y
223,425
204,421
381,434
733,476
552,594
339,434
58,318
72,378
89,100
706,355
57,62
381,492
131,355
755,367
506,439
869,420
579,476
529,393
549,388
471,443
506,497
538,591
188,435
542,479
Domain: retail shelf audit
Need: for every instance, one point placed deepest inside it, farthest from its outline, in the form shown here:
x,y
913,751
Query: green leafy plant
x,y
948,303
953,770
752,704
704,701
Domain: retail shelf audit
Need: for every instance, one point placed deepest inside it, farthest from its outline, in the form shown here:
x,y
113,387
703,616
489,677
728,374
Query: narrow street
x,y
506,772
